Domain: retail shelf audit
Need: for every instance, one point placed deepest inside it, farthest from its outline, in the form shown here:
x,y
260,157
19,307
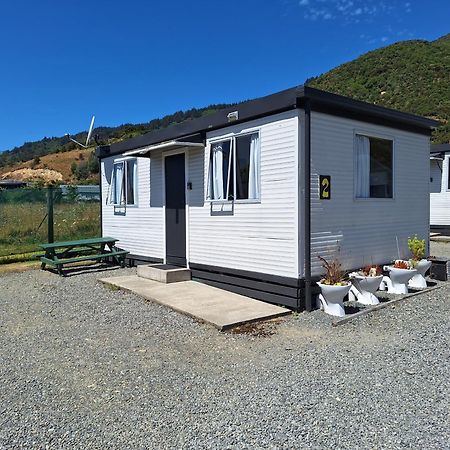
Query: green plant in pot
x,y
417,247
334,286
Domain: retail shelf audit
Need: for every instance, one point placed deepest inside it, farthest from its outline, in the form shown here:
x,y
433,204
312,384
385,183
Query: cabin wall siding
x,y
258,237
140,230
439,193
364,231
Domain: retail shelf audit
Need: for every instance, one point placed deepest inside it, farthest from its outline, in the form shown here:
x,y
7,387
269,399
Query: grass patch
x,y
23,228
112,287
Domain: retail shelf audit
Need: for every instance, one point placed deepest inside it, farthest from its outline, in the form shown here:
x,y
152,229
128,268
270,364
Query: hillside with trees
x,y
412,76
48,145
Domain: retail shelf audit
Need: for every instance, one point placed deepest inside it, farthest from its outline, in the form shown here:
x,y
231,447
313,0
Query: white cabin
x,y
440,188
225,194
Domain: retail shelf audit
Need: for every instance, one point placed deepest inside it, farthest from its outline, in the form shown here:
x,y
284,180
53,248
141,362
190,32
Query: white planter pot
x,y
397,281
363,289
332,298
418,281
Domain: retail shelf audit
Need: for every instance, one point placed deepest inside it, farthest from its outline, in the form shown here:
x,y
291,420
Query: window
x,y
221,174
123,183
234,169
374,167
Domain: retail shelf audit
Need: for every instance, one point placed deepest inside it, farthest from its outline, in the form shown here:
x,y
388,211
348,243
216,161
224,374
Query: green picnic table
x,y
96,249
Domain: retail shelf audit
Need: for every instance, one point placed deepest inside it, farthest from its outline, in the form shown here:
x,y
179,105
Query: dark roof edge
x,y
327,100
440,148
288,99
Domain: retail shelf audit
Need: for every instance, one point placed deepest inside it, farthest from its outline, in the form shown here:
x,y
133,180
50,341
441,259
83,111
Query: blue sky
x,y
132,61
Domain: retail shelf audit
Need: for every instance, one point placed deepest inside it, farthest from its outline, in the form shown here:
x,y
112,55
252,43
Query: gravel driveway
x,y
82,366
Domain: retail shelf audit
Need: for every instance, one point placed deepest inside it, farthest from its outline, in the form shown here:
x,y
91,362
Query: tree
x,y
36,161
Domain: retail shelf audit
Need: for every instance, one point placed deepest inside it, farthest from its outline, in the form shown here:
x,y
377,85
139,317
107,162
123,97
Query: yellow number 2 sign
x,y
325,187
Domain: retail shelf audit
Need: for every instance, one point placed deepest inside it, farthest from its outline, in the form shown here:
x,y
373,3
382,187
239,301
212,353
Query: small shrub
x,y
416,247
36,161
400,264
335,275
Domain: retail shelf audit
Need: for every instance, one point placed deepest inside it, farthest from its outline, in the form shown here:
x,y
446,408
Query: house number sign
x,y
325,187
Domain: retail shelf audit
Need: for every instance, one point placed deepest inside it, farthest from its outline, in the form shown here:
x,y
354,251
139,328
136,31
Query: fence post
x,y
50,232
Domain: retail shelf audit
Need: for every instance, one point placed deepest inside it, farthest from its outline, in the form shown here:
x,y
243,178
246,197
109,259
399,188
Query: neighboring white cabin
x,y
376,201
440,188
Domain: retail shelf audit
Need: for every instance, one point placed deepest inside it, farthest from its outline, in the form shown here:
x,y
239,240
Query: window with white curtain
x,y
374,167
123,183
234,168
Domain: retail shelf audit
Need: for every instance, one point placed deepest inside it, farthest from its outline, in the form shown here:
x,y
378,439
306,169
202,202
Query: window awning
x,y
437,156
169,145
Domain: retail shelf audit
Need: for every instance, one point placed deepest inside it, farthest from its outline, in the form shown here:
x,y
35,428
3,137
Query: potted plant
x,y
400,272
334,287
365,283
417,248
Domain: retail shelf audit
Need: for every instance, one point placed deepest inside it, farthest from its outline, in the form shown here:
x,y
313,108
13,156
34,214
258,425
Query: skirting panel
x,y
135,260
269,288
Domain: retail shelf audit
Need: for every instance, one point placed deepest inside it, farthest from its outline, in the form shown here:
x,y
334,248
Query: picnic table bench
x,y
97,249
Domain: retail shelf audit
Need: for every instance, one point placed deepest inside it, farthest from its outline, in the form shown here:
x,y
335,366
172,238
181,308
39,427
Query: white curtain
x,y
253,175
362,178
217,172
117,188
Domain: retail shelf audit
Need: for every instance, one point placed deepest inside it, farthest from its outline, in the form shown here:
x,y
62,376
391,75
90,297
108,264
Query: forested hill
x,y
48,145
412,76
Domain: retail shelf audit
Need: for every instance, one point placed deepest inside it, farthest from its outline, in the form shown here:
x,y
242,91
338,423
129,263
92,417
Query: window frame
x,y
135,182
447,178
232,138
375,135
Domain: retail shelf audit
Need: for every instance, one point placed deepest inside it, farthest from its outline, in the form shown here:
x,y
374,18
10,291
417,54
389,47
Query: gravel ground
x,y
84,366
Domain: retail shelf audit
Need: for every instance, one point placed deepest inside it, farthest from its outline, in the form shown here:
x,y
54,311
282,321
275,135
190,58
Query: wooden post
x,y
50,230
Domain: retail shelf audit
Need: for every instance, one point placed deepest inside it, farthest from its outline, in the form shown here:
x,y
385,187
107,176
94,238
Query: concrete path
x,y
215,306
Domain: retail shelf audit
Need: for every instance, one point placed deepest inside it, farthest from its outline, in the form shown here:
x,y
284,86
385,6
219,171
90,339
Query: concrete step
x,y
164,273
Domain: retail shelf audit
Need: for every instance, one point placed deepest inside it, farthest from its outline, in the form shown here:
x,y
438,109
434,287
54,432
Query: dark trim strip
x,y
254,293
269,288
259,285
275,279
307,206
134,260
443,229
439,148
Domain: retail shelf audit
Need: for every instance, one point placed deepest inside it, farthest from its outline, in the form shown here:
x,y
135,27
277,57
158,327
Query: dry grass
x,y
19,267
20,231
258,329
59,162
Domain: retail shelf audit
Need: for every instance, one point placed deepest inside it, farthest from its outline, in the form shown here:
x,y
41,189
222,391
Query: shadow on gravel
x,y
72,271
352,309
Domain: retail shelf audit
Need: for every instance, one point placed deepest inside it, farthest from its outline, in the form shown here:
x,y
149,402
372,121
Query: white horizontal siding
x,y
440,193
360,232
259,237
140,229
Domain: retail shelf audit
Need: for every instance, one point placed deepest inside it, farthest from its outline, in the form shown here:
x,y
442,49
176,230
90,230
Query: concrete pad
x,y
217,307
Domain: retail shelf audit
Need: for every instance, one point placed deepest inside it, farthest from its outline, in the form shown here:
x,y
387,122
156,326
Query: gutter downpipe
x,y
307,204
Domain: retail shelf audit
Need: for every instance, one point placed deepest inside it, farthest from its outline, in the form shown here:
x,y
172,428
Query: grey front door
x,y
175,210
